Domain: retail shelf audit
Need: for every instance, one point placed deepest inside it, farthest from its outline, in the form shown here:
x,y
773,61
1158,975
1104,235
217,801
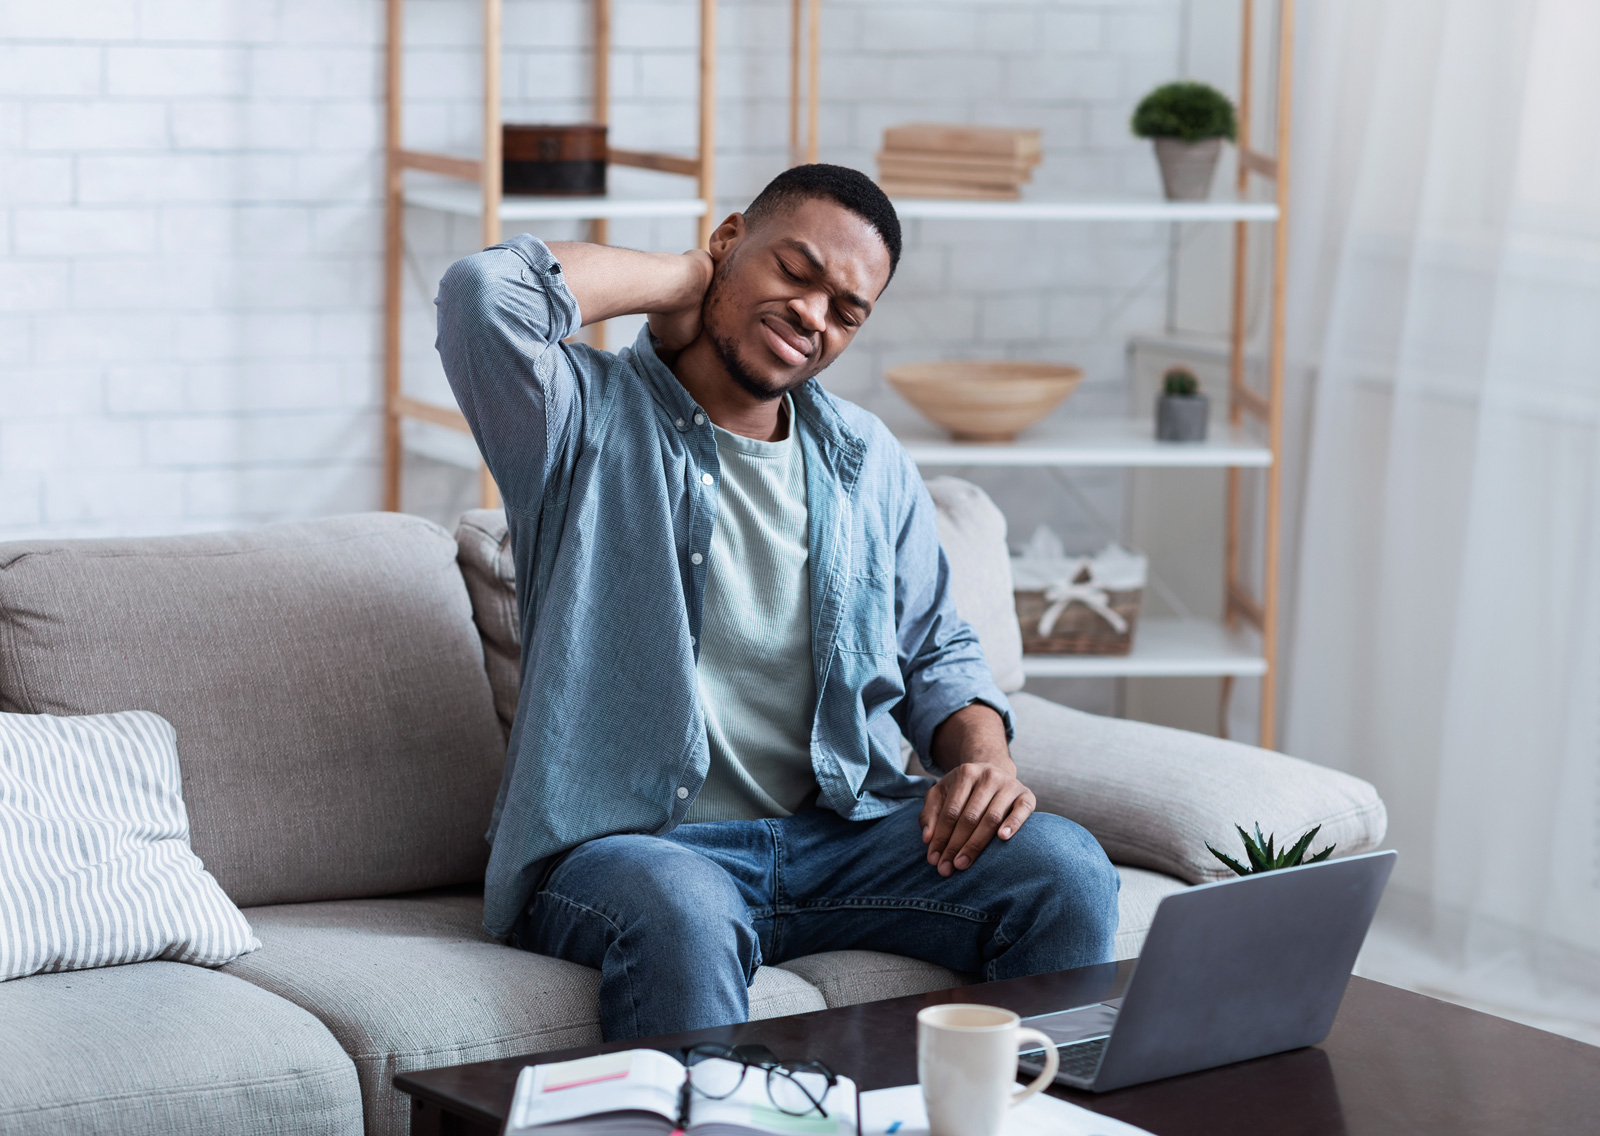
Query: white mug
x,y
967,1065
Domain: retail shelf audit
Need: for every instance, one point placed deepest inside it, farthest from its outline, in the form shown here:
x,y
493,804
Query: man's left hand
x,y
979,797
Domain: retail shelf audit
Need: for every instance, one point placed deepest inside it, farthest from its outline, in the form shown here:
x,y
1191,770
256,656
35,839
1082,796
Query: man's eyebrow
x,y
815,261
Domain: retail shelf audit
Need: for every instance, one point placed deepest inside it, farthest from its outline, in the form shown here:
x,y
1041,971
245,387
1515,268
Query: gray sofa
x,y
334,685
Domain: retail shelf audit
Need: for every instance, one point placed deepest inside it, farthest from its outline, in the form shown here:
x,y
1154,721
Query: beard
x,y
727,348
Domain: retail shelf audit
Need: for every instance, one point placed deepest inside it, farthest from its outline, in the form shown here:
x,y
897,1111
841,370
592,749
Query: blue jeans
x,y
677,925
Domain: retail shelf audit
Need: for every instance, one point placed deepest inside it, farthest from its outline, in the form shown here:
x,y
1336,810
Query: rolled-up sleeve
x,y
940,658
502,314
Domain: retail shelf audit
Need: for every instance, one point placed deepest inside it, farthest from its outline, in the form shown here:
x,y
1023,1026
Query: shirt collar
x,y
812,404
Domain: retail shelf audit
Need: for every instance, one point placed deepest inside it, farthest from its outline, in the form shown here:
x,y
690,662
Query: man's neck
x,y
736,410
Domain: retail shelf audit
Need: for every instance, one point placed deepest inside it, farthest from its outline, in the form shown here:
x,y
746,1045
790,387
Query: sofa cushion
x,y
165,1048
848,977
491,575
335,727
972,531
1141,893
1153,797
412,982
98,865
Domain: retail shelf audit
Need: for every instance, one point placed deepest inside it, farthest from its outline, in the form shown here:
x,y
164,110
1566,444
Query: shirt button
x,y
699,419
683,794
678,422
707,478
695,558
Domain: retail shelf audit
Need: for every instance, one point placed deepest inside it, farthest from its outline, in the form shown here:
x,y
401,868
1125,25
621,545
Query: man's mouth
x,y
785,342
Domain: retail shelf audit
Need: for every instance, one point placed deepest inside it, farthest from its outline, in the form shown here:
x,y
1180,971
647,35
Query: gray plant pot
x,y
1187,168
1182,417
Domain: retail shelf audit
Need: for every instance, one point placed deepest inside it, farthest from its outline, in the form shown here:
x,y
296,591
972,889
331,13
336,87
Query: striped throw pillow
x,y
95,864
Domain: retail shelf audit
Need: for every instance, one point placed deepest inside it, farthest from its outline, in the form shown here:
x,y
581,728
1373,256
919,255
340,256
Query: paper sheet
x,y
899,1112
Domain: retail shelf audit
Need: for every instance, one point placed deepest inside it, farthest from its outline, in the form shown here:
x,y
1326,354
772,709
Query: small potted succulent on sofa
x,y
1187,121
1181,410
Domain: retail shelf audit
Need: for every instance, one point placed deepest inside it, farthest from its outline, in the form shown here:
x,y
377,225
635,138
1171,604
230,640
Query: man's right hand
x,y
678,327
608,281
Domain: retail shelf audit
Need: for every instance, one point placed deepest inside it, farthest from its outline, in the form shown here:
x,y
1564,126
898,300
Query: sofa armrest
x,y
1153,797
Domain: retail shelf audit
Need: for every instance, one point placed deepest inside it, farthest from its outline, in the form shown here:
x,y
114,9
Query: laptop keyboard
x,y
1078,1060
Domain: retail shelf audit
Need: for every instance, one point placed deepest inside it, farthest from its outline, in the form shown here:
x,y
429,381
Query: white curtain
x,y
1445,294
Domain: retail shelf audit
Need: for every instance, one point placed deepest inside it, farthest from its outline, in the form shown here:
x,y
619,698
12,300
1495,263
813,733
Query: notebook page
x,y
638,1079
750,1108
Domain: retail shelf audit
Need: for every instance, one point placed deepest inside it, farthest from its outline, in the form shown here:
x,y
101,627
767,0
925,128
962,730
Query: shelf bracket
x,y
404,406
648,160
1258,163
1242,603
1250,400
467,169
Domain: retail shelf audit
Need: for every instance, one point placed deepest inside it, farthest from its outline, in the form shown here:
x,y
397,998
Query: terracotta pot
x,y
987,400
1187,168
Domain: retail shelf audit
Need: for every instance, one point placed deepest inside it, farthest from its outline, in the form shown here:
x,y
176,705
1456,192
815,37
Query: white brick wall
x,y
190,220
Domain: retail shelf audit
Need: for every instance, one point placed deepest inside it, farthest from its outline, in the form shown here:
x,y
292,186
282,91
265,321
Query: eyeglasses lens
x,y
716,1078
796,1092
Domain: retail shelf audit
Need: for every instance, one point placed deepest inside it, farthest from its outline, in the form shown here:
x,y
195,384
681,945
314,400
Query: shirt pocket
x,y
867,622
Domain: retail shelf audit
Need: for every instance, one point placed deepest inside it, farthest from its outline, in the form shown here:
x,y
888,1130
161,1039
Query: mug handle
x,y
1052,1062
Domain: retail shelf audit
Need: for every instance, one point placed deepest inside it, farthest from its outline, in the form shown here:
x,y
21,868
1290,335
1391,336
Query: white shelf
x,y
1161,648
467,201
1064,439
1133,209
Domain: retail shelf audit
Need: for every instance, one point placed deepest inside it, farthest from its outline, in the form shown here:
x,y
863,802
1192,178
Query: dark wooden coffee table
x,y
1396,1062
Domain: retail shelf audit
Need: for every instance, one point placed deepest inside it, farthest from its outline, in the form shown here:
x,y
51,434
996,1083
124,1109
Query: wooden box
x,y
561,161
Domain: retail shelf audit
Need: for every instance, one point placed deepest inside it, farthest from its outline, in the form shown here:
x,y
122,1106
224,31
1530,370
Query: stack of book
x,y
985,163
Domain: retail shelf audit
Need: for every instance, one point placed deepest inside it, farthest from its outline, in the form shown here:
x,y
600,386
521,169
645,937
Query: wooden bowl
x,y
985,400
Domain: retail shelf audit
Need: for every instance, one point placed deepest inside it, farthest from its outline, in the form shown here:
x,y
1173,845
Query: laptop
x,y
1231,970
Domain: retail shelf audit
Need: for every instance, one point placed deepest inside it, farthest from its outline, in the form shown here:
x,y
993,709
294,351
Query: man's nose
x,y
812,310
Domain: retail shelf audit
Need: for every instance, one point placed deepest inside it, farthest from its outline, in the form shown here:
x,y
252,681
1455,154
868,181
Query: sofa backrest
x,y
335,725
971,528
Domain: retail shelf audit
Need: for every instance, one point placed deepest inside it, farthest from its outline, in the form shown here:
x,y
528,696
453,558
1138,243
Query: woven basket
x,y
1078,630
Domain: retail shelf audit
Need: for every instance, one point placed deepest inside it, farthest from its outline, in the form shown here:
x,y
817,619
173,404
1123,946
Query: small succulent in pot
x,y
1181,410
1187,121
1259,852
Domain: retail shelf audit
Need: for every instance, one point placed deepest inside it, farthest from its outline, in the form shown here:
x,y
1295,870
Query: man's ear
x,y
726,237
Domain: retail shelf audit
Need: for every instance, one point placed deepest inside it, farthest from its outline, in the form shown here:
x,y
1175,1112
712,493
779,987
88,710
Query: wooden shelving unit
x,y
1245,642
479,194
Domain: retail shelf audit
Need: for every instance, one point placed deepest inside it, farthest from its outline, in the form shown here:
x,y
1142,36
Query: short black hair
x,y
850,188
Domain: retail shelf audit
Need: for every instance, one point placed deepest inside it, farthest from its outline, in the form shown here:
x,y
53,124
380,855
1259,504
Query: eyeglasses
x,y
795,1088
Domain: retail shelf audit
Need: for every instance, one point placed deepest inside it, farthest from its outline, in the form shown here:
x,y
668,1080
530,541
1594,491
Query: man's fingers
x,y
956,785
1020,812
968,819
930,810
1001,811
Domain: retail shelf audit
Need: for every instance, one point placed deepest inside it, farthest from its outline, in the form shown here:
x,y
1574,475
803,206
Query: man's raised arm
x,y
503,313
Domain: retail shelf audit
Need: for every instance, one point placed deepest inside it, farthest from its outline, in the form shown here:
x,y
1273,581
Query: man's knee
x,y
1074,882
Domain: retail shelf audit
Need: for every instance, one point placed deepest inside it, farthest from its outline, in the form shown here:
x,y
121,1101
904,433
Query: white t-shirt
x,y
757,684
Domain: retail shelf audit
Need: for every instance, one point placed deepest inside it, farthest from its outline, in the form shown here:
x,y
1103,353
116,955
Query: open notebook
x,y
640,1091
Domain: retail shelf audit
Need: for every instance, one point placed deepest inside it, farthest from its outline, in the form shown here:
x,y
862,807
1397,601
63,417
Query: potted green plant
x,y
1181,410
1187,121
1262,858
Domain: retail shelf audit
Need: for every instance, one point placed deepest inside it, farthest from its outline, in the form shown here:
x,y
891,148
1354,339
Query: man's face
x,y
790,293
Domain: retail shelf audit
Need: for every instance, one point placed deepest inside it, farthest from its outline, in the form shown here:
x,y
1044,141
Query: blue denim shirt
x,y
600,459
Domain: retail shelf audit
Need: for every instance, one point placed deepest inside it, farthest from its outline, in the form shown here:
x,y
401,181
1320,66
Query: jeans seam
x,y
627,973
776,831
990,967
890,903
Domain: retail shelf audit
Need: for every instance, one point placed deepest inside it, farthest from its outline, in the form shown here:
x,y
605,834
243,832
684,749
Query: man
x,y
733,605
